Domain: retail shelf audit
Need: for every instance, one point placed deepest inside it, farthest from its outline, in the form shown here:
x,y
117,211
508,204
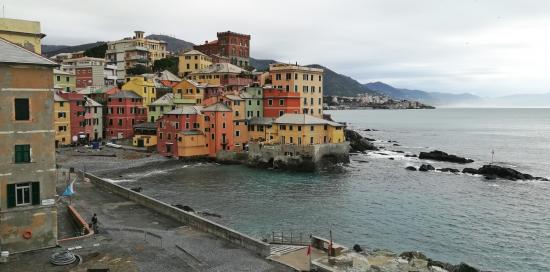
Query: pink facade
x,y
124,110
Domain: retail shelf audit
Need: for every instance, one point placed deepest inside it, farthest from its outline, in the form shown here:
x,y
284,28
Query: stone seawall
x,y
190,219
298,157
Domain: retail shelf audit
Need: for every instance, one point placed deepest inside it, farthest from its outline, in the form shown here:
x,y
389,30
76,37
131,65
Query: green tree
x,y
138,69
168,63
97,51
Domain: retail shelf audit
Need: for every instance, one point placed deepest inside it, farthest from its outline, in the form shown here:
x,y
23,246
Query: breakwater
x,y
189,219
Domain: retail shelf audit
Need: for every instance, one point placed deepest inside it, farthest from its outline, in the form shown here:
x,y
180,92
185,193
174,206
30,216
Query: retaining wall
x,y
190,219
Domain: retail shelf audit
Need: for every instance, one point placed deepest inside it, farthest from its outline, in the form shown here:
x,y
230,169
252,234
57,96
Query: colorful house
x,y
124,110
64,81
160,106
142,86
306,81
23,33
145,134
192,143
253,102
218,127
230,76
94,119
28,217
304,129
278,102
192,61
261,129
62,121
174,122
79,127
189,90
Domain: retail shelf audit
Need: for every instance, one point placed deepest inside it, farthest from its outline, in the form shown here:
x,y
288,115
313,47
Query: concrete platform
x,y
133,238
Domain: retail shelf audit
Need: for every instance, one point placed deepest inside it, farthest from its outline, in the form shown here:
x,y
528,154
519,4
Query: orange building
x,y
218,127
278,102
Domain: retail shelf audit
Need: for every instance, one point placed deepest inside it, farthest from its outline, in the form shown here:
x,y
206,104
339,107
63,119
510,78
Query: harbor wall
x,y
189,219
298,157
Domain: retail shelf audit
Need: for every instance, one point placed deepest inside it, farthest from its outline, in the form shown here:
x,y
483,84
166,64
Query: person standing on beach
x,y
94,223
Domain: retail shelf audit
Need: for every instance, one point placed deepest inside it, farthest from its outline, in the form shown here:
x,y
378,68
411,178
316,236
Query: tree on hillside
x,y
169,63
138,70
96,51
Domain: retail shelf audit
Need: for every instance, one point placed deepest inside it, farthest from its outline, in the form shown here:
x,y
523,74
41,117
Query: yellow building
x,y
222,74
145,135
143,86
62,121
129,52
261,129
64,81
22,32
191,143
192,61
189,90
304,80
240,131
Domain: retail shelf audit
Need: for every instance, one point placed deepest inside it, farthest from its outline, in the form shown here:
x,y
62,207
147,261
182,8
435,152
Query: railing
x,y
288,238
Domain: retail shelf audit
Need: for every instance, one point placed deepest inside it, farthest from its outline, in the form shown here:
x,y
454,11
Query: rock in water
x,y
357,142
452,170
470,171
357,248
502,172
426,167
411,168
437,155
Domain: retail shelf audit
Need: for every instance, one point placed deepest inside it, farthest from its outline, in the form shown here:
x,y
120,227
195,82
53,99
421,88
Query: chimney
x,y
205,42
139,34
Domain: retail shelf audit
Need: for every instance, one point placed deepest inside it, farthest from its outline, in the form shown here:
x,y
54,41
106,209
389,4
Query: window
x,y
258,103
299,128
311,140
160,135
119,122
281,113
237,133
277,76
58,78
291,140
223,125
169,136
288,76
177,125
312,128
22,153
290,127
326,127
281,102
21,109
187,125
270,102
23,194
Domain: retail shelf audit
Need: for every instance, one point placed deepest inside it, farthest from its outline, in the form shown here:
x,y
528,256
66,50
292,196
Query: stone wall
x,y
298,157
189,219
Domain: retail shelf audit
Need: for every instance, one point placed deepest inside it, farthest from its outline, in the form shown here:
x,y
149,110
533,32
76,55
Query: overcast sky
x,y
489,48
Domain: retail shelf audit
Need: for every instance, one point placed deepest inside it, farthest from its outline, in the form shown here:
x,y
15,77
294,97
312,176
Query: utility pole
x,y
492,156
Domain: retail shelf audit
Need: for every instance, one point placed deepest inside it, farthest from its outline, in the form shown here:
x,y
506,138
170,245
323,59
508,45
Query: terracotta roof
x,y
233,97
217,107
304,119
12,53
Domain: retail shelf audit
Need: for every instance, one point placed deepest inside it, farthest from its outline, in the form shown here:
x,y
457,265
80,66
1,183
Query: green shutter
x,y
35,190
11,195
27,153
22,153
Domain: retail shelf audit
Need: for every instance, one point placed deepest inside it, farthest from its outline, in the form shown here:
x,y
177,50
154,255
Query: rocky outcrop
x,y
449,170
492,172
437,155
411,168
426,167
462,267
357,142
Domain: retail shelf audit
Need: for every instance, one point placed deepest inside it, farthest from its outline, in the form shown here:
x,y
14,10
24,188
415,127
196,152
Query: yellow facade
x,y
263,133
144,140
189,90
64,81
143,86
304,80
309,134
192,61
22,32
191,144
62,121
